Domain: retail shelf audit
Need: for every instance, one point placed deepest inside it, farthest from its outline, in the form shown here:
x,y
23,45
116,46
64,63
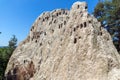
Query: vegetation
x,y
107,12
13,42
5,54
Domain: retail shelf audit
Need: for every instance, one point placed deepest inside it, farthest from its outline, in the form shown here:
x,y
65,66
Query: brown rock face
x,y
65,45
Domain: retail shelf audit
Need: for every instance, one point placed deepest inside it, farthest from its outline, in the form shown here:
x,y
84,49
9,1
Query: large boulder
x,y
65,45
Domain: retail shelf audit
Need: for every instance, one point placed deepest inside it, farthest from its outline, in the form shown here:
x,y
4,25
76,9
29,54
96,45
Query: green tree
x,y
107,12
4,58
5,54
13,42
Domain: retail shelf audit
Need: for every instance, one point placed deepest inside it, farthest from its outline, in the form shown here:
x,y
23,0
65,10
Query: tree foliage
x,y
5,54
107,12
13,42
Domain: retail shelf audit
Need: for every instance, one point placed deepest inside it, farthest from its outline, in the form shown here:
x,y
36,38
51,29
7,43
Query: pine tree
x,y
13,42
108,13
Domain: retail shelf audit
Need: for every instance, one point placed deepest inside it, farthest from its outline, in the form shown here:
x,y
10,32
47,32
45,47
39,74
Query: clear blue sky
x,y
17,16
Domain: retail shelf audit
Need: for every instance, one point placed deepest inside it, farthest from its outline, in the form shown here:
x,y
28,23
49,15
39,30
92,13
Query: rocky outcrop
x,y
65,45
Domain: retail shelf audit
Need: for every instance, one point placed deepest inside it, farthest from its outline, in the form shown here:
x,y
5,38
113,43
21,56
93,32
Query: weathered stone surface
x,y
65,45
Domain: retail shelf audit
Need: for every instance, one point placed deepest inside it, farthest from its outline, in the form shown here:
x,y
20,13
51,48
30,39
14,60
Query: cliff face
x,y
65,45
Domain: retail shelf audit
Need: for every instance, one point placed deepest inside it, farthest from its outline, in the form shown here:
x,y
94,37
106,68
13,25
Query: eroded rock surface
x,y
65,45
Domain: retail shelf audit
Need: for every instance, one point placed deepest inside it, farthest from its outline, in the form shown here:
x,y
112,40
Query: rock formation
x,y
65,45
